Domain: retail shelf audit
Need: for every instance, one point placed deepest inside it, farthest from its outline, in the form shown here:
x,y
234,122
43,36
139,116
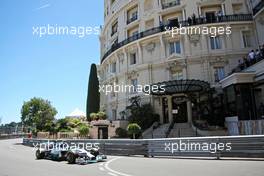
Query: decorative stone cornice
x,y
210,2
194,38
131,74
176,65
150,47
218,61
113,79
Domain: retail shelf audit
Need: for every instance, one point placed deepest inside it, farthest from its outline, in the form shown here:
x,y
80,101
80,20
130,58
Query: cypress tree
x,y
93,95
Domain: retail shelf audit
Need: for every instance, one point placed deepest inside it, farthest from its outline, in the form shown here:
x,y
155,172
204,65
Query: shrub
x,y
93,116
62,125
133,129
101,115
73,122
121,133
83,130
98,116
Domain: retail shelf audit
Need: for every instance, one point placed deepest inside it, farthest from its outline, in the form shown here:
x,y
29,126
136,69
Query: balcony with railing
x,y
166,5
164,27
247,63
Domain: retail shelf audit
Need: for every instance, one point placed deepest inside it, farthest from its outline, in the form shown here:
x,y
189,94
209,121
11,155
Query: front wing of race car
x,y
88,160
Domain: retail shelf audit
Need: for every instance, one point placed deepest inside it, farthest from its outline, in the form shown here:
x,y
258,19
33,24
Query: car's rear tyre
x,y
39,155
71,158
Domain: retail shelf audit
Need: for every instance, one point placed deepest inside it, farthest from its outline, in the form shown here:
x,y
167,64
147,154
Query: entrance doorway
x,y
179,106
183,92
103,132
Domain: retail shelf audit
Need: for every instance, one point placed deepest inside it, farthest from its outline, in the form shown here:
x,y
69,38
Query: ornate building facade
x,y
136,49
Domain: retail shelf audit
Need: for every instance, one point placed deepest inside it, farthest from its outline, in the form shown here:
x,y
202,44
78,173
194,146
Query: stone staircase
x,y
159,132
182,130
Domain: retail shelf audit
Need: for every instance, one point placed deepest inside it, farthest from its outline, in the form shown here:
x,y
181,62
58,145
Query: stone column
x,y
126,82
126,59
161,114
160,20
162,47
189,111
183,15
140,54
170,108
200,11
117,64
184,72
160,3
223,8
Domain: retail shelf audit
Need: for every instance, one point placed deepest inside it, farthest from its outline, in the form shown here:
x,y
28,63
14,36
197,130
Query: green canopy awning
x,y
181,86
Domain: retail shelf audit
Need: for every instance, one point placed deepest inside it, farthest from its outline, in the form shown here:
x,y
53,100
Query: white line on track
x,y
114,171
109,173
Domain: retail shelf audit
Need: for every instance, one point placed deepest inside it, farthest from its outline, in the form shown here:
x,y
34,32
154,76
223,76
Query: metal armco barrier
x,y
216,147
122,147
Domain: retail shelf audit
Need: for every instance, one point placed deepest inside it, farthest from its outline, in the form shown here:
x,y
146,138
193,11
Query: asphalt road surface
x,y
19,160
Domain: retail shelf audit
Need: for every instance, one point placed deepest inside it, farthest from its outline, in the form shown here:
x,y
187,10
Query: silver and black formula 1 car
x,y
61,152
81,156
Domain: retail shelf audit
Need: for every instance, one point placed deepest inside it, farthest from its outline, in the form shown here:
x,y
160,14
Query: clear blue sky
x,y
52,67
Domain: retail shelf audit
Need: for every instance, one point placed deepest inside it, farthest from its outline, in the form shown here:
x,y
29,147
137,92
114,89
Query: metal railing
x,y
240,146
166,5
246,64
163,27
